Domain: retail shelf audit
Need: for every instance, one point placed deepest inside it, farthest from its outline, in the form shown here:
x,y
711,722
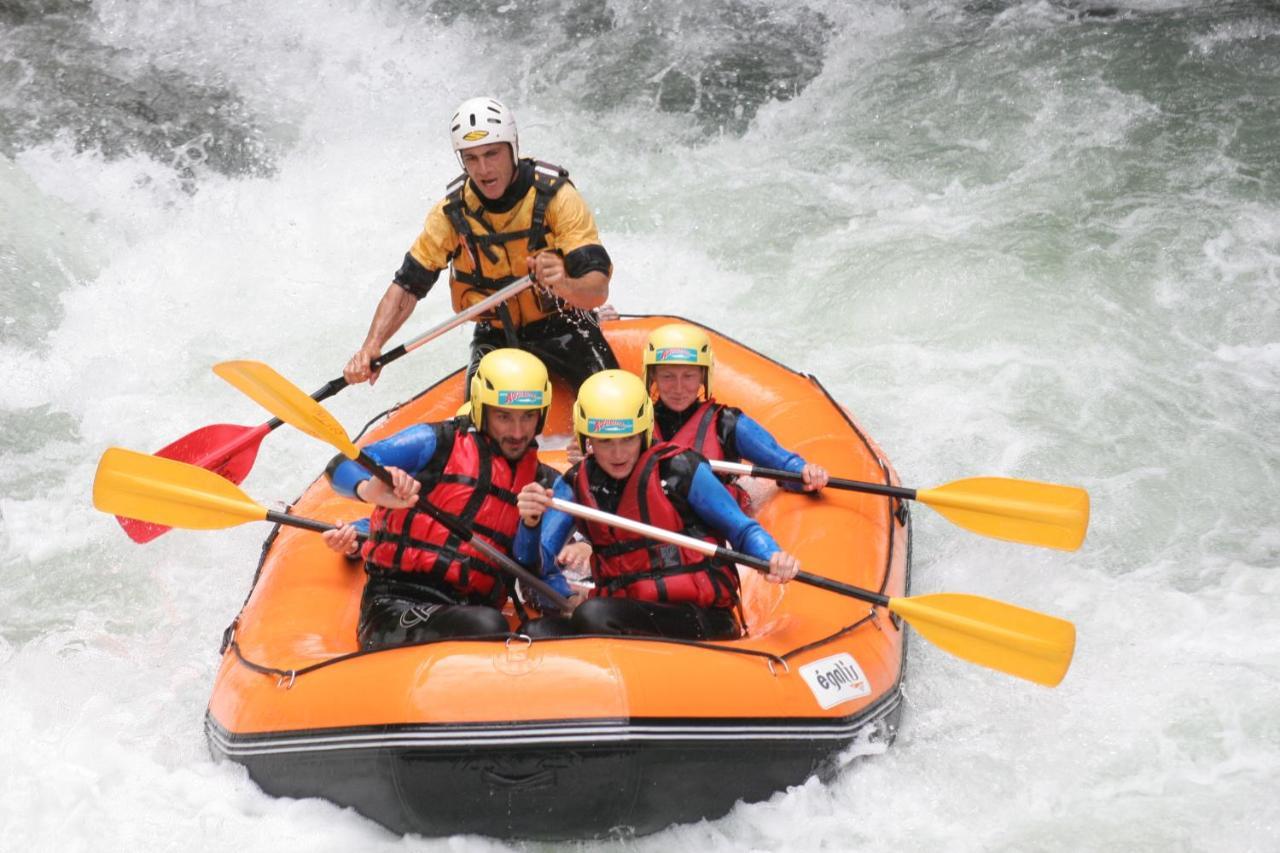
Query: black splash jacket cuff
x,y
415,278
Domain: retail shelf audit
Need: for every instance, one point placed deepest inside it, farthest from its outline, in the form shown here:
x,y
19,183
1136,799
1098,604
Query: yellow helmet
x,y
510,379
613,404
678,343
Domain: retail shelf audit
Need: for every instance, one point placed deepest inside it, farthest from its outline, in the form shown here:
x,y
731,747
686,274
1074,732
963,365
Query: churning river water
x,y
1033,239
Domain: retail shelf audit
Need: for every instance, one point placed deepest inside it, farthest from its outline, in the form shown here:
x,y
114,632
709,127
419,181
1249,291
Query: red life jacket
x,y
701,432
627,565
478,488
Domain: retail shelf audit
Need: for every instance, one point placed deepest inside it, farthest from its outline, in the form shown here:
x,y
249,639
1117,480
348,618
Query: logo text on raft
x,y
610,426
835,679
520,398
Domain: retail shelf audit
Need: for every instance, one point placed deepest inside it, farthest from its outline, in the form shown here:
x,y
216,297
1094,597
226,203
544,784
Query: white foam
x,y
999,277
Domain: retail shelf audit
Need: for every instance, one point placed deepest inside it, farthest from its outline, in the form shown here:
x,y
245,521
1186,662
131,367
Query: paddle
x,y
229,450
984,631
291,404
175,494
1026,511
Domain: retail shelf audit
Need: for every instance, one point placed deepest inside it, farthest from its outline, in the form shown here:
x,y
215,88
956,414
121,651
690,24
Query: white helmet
x,y
483,121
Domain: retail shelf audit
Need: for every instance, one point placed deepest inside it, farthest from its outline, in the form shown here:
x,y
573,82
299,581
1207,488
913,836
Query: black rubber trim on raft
x,y
588,731
559,780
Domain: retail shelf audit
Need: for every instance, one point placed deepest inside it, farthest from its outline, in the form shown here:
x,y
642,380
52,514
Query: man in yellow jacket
x,y
504,218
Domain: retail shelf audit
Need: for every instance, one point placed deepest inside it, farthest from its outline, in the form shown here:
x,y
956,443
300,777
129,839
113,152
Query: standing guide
x,y
505,217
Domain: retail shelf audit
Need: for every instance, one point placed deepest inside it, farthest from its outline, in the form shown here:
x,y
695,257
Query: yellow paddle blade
x,y
286,401
993,634
1016,510
168,492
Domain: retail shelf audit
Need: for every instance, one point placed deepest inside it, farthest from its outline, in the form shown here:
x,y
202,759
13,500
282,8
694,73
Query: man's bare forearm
x,y
589,291
396,306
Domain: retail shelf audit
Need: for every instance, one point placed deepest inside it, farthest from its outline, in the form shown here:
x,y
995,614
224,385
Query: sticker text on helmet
x,y
688,354
475,134
835,679
610,426
520,398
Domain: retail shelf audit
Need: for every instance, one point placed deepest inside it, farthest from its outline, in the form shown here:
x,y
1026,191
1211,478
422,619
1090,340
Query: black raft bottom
x,y
551,782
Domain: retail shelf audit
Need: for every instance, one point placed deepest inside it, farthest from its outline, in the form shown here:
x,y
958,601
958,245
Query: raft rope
x,y
286,677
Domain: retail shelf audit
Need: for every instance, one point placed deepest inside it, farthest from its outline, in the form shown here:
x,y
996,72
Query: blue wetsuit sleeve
x,y
361,526
526,552
553,531
712,502
758,446
410,450
525,547
557,527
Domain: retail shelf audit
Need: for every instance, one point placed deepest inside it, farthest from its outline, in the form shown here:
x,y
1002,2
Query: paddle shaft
x,y
303,523
711,550
493,554
744,470
333,386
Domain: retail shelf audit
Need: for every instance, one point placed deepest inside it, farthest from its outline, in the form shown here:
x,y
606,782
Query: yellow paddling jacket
x,y
488,247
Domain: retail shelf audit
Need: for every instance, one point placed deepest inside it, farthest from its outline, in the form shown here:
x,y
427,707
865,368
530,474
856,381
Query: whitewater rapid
x,y
1030,239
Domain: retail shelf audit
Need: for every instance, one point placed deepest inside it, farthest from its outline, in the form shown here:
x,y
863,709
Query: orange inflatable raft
x,y
581,736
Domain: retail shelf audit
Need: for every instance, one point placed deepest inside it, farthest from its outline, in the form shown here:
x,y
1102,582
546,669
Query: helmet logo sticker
x,y
610,426
520,398
472,136
688,354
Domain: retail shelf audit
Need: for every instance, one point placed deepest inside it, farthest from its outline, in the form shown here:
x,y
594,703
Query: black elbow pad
x,y
414,277
585,259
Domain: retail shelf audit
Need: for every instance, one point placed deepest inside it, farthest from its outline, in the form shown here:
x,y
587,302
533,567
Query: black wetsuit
x,y
569,343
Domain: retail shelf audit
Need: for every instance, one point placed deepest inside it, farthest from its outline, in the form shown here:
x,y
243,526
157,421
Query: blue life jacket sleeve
x,y
712,502
758,446
409,450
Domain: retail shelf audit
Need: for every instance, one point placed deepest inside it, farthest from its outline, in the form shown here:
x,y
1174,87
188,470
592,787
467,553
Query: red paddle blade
x,y
227,450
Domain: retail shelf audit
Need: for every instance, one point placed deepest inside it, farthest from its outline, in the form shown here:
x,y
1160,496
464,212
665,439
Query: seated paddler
x,y
679,369
643,587
424,582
